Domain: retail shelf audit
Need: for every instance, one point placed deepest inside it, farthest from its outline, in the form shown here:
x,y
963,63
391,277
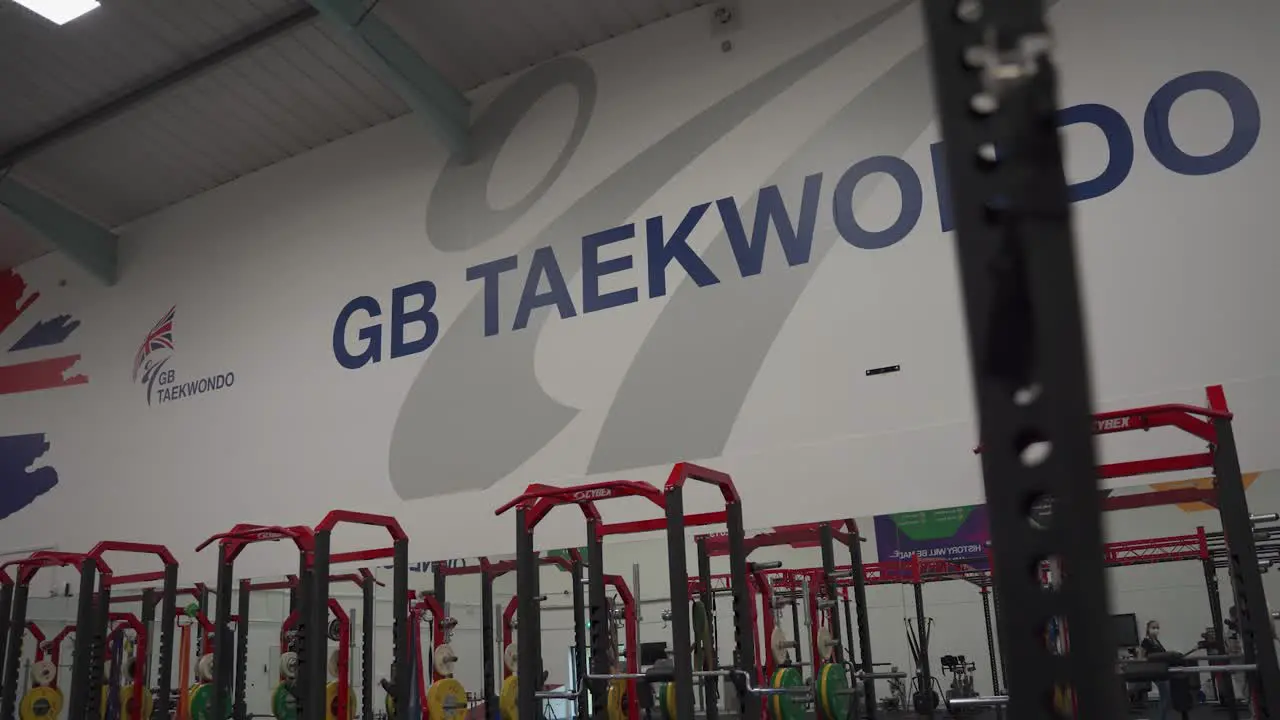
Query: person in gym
x,y
1151,646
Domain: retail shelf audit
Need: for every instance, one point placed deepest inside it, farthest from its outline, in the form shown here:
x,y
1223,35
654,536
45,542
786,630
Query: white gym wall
x,y
1177,268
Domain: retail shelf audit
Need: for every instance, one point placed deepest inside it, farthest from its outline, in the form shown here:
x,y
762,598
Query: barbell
x,y
1150,674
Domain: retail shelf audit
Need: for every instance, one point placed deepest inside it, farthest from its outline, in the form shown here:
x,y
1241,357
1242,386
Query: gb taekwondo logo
x,y
151,367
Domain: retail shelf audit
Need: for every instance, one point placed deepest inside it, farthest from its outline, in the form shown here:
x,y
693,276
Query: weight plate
x,y
334,630
43,672
783,705
41,703
833,684
826,643
617,708
333,666
284,706
447,700
192,609
331,702
444,659
126,704
778,645
289,666
200,703
507,700
204,668
510,656
669,700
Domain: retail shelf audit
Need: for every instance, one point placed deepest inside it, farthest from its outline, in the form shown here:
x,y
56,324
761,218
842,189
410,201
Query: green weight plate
x,y
833,686
202,703
192,609
783,706
284,706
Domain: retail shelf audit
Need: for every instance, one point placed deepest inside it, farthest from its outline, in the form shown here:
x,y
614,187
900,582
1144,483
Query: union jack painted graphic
x,y
43,374
160,338
21,483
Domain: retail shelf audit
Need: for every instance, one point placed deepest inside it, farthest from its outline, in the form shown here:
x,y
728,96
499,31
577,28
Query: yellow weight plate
x,y
669,699
447,700
508,699
126,703
617,700
42,703
331,702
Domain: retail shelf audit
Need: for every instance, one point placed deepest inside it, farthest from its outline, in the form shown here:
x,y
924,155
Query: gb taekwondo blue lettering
x,y
151,368
481,366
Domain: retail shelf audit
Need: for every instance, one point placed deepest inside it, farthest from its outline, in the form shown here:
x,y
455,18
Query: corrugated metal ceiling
x,y
295,92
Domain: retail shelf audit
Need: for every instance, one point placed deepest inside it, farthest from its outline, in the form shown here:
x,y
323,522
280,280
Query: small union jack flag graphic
x,y
160,338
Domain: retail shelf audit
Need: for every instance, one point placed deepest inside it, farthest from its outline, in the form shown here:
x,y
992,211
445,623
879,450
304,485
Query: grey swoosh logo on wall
x,y
700,359
476,411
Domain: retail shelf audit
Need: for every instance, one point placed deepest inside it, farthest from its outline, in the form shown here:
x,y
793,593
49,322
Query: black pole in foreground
x,y
366,646
864,623
487,639
528,632
1256,636
681,636
400,627
601,640
168,622
995,88
710,690
744,643
991,642
578,571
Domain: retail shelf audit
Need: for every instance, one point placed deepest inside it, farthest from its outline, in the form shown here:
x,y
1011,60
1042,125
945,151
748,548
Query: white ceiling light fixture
x,y
59,12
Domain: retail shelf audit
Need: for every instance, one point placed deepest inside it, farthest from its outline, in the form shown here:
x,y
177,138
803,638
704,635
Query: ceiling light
x,y
59,11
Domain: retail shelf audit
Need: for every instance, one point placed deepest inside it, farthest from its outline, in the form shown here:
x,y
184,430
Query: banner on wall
x,y
955,534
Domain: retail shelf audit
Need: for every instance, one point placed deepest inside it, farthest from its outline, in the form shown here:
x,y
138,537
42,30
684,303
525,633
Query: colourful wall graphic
x,y
1200,484
20,484
17,376
955,534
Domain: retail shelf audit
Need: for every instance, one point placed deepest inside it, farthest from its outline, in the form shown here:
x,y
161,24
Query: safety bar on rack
x,y
193,590
288,583
1192,419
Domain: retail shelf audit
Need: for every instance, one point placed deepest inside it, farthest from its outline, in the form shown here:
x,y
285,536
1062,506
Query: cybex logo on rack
x,y
1112,424
151,367
597,494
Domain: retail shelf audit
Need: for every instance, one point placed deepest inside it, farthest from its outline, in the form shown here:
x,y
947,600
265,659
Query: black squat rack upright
x,y
90,633
538,500
995,87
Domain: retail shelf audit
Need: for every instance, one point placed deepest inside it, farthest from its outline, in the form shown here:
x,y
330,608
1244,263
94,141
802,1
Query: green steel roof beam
x,y
91,246
422,87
